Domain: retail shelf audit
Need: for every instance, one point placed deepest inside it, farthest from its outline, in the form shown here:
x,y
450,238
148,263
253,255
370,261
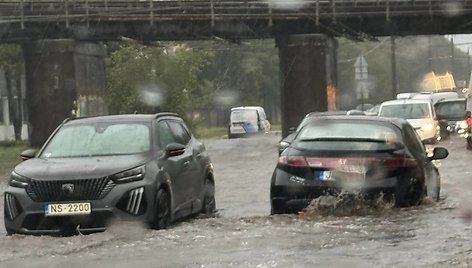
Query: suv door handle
x,y
186,163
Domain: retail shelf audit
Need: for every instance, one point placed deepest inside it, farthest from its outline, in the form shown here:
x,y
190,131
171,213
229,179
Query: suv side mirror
x,y
174,149
28,154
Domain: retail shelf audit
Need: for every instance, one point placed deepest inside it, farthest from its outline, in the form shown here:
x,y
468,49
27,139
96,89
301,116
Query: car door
x,y
175,167
190,171
417,149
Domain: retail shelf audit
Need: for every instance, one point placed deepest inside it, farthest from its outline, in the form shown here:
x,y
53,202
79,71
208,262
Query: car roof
x,y
331,113
247,108
398,122
452,100
120,117
405,101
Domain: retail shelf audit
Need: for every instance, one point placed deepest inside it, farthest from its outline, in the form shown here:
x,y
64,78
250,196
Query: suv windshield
x,y
406,111
99,140
332,135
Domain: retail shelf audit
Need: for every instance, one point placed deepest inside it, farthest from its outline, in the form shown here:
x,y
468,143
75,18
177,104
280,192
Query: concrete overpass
x,y
102,20
58,72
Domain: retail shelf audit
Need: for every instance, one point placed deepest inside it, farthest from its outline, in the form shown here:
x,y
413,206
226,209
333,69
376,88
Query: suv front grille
x,y
84,189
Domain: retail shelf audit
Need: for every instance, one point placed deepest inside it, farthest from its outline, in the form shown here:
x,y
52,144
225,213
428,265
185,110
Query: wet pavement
x,y
243,234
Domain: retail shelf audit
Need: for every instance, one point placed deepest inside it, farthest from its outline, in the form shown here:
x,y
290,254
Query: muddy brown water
x,y
245,235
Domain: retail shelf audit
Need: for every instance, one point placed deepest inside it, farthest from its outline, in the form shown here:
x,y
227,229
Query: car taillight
x,y
294,161
399,162
335,162
316,162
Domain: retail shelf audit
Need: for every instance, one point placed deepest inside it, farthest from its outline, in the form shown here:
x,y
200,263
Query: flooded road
x,y
245,235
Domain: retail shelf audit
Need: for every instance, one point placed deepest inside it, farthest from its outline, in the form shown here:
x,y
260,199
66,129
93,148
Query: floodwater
x,y
243,234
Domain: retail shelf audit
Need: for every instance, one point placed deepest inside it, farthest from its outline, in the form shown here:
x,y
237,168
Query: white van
x,y
418,112
247,120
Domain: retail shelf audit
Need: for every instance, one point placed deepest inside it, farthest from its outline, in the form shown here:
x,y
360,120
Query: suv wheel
x,y
161,217
209,203
277,208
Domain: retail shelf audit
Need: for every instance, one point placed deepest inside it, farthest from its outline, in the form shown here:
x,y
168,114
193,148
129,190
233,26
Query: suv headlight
x,y
134,174
16,180
463,124
427,127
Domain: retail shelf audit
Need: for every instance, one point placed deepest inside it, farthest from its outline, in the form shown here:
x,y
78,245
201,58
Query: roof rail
x,y
165,114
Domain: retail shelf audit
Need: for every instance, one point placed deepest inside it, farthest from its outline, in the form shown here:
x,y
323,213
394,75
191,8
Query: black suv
x,y
92,170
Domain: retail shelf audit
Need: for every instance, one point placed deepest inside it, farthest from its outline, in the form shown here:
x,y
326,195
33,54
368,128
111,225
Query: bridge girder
x,y
102,20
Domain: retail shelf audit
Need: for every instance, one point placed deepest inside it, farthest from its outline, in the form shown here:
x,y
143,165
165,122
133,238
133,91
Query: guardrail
x,y
80,11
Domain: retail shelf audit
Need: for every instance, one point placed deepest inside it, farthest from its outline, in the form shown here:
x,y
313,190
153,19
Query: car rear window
x,y
451,108
244,116
406,110
348,135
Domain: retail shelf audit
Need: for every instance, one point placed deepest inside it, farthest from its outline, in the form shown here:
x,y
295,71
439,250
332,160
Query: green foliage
x,y
10,57
146,79
10,154
211,132
250,71
187,77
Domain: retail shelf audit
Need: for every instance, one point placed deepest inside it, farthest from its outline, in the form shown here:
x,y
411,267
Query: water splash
x,y
348,204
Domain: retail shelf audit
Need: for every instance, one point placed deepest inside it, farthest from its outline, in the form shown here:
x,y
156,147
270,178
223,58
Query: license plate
x,y
67,209
326,175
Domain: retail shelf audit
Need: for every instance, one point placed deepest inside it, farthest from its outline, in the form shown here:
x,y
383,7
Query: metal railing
x,y
80,11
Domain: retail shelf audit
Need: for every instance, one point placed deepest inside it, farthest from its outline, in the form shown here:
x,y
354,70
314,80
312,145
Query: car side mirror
x,y
174,149
28,154
439,153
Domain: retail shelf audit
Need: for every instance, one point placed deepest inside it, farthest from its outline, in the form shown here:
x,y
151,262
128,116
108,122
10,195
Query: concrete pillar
x,y
308,69
63,77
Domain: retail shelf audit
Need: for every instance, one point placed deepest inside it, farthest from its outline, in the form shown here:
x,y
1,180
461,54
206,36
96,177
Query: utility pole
x,y
394,67
452,55
430,56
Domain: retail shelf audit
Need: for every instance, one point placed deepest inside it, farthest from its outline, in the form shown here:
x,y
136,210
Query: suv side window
x,y
414,142
180,133
164,135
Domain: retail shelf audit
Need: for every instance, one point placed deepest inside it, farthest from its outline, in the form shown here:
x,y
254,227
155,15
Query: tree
x,y
147,79
245,74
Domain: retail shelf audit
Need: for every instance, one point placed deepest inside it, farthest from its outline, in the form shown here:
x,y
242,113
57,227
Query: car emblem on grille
x,y
68,189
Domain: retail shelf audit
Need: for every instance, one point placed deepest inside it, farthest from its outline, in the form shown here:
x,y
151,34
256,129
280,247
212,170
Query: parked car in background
x,y
373,111
90,171
362,154
418,112
246,121
449,112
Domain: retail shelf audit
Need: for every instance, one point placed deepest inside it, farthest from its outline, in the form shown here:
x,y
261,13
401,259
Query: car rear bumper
x,y
294,199
131,201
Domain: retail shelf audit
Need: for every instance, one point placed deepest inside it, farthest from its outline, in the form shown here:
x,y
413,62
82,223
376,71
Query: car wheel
x,y
433,189
209,203
161,217
409,192
277,208
9,231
